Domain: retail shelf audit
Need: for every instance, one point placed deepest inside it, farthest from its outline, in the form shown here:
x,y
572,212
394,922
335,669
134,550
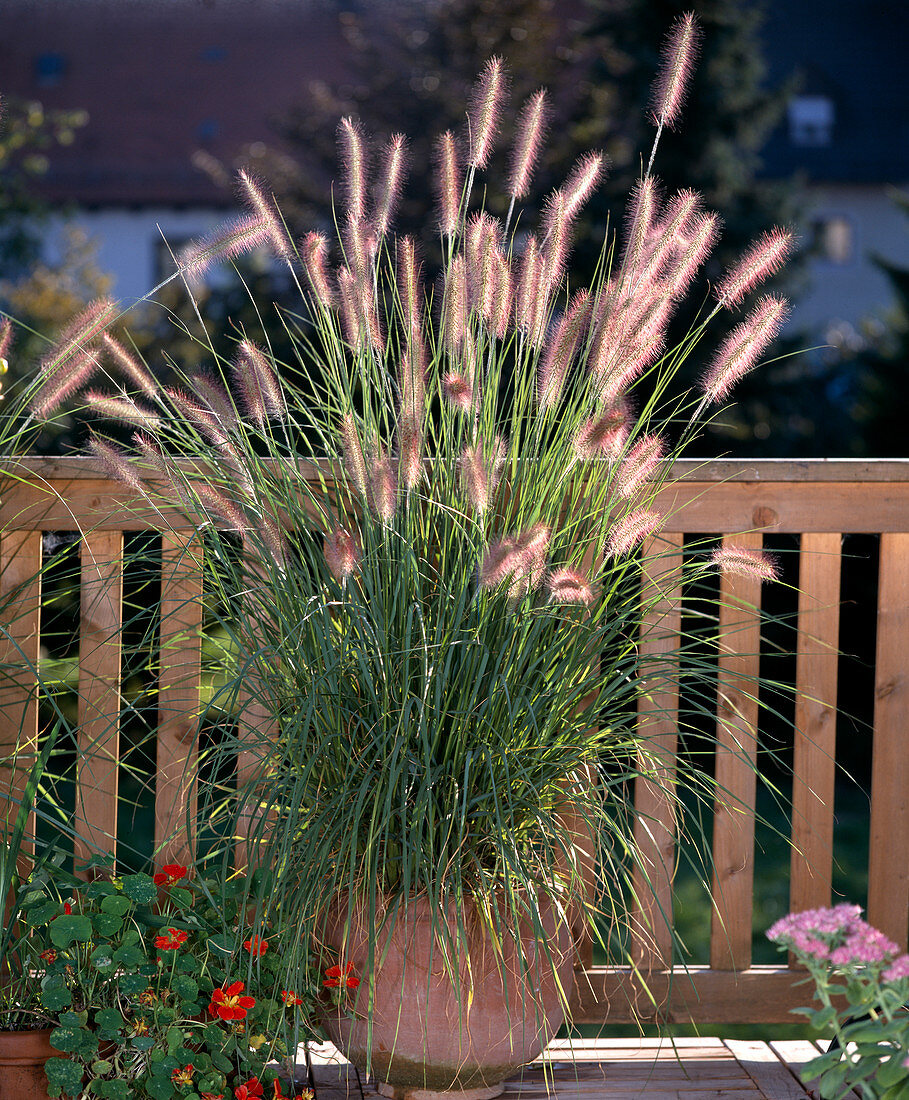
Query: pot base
x,y
407,1092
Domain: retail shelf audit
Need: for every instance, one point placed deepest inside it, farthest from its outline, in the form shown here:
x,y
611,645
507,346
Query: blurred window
x,y
811,119
50,68
834,239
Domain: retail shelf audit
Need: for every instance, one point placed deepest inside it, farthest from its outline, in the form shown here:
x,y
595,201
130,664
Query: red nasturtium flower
x,y
67,909
49,956
229,1004
306,1094
290,998
176,938
169,875
253,1087
183,1076
212,1096
256,946
336,976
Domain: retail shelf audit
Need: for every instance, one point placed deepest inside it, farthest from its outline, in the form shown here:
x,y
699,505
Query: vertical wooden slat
x,y
179,676
20,601
99,693
814,764
888,866
658,717
736,752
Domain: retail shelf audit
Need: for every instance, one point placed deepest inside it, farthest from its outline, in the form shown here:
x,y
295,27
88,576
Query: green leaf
x,y
174,1039
102,958
128,956
74,1040
223,945
116,1090
101,1067
107,924
159,1088
70,928
63,1075
822,1017
109,1022
41,914
73,1019
181,896
185,987
116,905
142,1042
140,888
891,1072
54,994
131,985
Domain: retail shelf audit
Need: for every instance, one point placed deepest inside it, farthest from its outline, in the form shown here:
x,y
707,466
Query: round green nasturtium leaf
x,y
41,913
101,1067
102,958
54,994
223,945
74,1040
181,896
131,937
63,1075
142,1042
70,928
174,1039
108,1022
140,888
185,987
73,1019
31,898
115,1090
131,985
107,924
116,904
128,956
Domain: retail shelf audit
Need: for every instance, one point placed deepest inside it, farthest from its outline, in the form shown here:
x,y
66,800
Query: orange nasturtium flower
x,y
176,938
253,1087
183,1076
290,998
336,976
256,946
169,875
229,1004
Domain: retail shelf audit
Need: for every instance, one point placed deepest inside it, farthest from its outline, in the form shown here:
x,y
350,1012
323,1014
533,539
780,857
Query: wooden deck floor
x,y
626,1069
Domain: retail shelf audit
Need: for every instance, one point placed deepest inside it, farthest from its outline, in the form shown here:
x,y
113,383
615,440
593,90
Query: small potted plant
x,y
425,536
165,986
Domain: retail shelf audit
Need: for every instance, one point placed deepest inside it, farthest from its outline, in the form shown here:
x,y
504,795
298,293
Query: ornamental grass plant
x,y
424,536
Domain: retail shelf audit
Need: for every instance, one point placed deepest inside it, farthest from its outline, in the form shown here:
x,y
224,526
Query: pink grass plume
x,y
530,298
741,562
631,530
115,462
570,586
604,436
556,228
679,54
69,377
531,132
255,193
483,112
742,348
582,181
314,249
455,303
391,181
354,459
639,218
458,391
342,553
410,448
6,338
227,242
763,259
640,464
480,468
448,183
129,366
502,294
351,321
81,334
382,486
409,282
258,383
354,160
561,349
124,409
693,246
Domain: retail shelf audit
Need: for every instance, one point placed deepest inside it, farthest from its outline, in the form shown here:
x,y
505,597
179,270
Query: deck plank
x,y
621,1069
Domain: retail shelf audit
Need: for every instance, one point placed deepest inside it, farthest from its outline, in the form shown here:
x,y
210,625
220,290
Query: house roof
x,y
852,55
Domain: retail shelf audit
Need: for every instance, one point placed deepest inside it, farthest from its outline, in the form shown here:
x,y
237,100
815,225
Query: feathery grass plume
x,y
484,234
80,335
448,183
604,435
741,349
483,112
530,300
122,408
679,54
129,366
214,500
64,382
639,464
354,459
253,191
394,166
633,357
360,250
480,468
409,284
212,393
258,383
763,259
693,249
351,321
410,449
502,294
556,240
314,248
458,391
6,338
382,487
533,546
115,462
273,539
570,586
353,156
639,216
227,242
561,348
501,560
454,321
741,562
531,132
342,553
631,530
208,423
587,172
669,233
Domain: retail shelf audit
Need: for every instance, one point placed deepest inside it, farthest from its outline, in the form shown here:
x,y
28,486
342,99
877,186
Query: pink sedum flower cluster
x,y
841,938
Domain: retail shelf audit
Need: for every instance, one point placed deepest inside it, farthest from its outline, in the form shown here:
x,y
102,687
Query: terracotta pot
x,y
433,1033
22,1058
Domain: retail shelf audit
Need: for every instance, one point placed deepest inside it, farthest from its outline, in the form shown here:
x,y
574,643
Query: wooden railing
x,y
818,500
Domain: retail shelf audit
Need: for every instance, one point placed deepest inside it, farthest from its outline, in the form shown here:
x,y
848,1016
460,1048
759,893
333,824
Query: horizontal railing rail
x,y
740,502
